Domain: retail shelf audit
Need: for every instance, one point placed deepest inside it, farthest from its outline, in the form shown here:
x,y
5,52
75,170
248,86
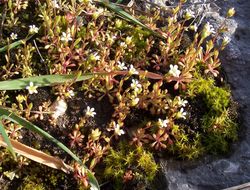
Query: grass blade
x,y
127,16
4,112
50,80
15,44
7,140
119,1
37,156
12,45
43,80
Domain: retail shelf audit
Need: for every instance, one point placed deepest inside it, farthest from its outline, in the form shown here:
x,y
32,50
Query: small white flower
x,y
31,88
33,29
174,71
207,30
122,66
71,93
181,114
135,101
66,37
95,56
118,130
123,44
182,102
60,108
226,40
163,123
194,27
98,12
55,4
128,40
132,70
90,112
13,36
135,85
189,14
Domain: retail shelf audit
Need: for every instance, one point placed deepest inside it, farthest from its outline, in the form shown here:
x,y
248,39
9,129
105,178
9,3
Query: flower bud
x,y
128,40
230,12
118,23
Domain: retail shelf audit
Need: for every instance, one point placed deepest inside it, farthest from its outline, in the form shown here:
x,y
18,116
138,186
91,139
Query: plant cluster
x,y
151,71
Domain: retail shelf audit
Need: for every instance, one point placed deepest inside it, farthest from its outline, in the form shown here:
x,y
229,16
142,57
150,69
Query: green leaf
x,y
127,16
118,1
4,112
12,45
43,80
7,140
15,44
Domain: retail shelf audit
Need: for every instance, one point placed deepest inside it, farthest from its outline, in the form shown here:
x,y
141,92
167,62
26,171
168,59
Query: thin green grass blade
x,y
12,45
119,1
4,112
127,16
15,44
40,81
7,140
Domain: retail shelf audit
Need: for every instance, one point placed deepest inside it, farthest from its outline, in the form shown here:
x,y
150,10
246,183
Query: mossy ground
x,y
176,107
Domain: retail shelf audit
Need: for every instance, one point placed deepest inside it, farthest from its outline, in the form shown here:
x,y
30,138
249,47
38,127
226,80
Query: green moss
x,y
221,130
216,98
138,160
28,184
219,126
188,146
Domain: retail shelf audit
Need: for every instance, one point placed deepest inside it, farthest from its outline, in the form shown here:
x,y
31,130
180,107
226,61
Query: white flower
x,y
135,101
182,102
135,85
174,71
13,36
181,114
94,57
55,4
71,93
90,112
92,188
226,40
66,37
207,30
123,44
163,123
128,40
132,70
31,88
122,66
97,13
194,27
33,29
189,14
118,130
60,108
97,57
